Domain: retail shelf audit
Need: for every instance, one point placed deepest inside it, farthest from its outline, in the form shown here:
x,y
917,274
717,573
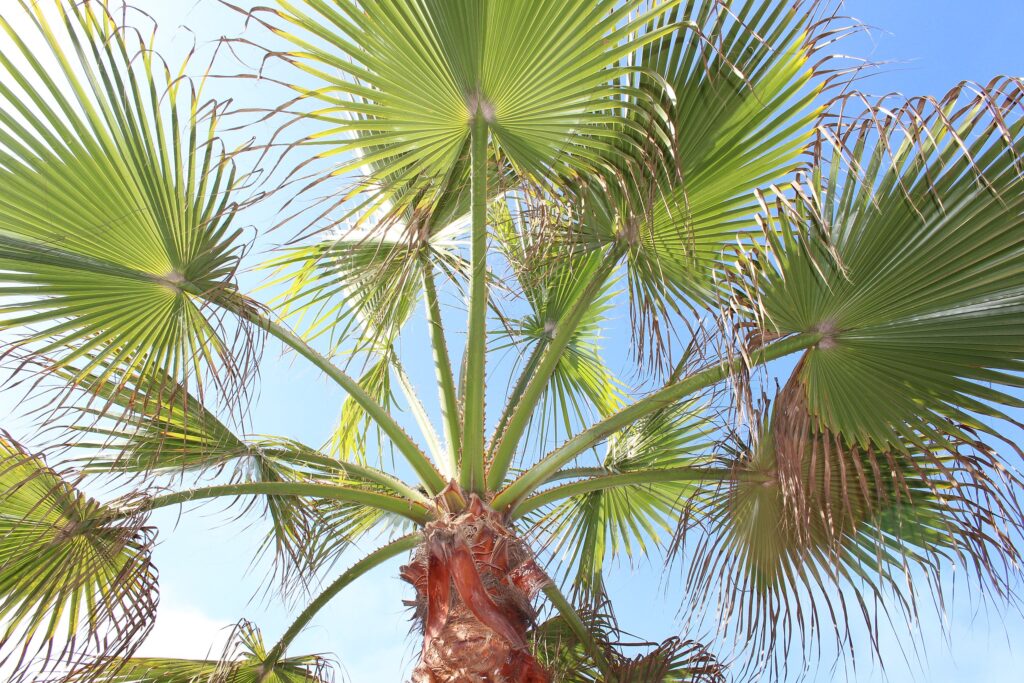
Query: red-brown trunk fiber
x,y
475,583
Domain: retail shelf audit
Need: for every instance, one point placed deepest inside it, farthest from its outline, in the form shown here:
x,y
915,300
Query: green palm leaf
x,y
115,222
361,287
568,660
743,83
147,426
350,438
810,528
246,666
585,530
553,273
412,76
166,431
916,284
75,574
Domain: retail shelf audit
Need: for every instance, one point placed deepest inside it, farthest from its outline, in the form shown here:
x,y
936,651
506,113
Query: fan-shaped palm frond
x,y
910,266
743,85
75,574
244,666
166,431
360,285
151,425
808,523
569,661
116,222
587,521
547,78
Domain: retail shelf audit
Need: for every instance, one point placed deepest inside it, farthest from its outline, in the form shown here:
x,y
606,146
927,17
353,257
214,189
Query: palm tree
x,y
525,158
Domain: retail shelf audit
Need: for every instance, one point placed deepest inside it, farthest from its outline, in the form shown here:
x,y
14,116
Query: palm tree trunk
x,y
475,584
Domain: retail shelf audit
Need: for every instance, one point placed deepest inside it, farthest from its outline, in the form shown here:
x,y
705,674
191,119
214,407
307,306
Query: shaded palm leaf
x,y
116,220
75,574
148,426
352,286
811,529
908,265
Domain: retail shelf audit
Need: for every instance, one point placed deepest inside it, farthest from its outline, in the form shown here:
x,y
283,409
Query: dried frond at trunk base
x,y
569,660
475,583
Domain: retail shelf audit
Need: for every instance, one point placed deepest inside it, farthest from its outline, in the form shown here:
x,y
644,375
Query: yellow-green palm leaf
x,y
246,666
401,82
75,574
909,264
115,220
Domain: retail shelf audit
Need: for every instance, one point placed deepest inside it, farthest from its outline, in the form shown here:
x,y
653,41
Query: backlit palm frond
x,y
75,574
552,273
744,83
115,226
166,431
811,532
357,285
589,528
243,662
903,250
351,436
144,426
310,534
361,287
399,83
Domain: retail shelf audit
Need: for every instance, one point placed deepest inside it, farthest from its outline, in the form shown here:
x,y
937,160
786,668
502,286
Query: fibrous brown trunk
x,y
475,584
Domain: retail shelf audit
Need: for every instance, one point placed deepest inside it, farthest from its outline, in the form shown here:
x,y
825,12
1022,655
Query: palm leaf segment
x,y
553,273
361,285
584,530
738,84
916,285
417,72
156,427
113,271
808,529
245,661
75,574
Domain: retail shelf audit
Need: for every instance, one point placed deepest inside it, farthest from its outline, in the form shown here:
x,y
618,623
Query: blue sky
x,y
208,581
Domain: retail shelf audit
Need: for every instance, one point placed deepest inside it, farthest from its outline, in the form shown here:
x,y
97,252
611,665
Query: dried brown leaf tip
x,y
623,657
811,525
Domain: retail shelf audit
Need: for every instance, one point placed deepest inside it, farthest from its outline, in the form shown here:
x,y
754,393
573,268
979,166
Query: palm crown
x,y
546,162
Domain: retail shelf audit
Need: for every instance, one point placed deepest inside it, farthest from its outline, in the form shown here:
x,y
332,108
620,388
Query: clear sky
x,y
207,580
